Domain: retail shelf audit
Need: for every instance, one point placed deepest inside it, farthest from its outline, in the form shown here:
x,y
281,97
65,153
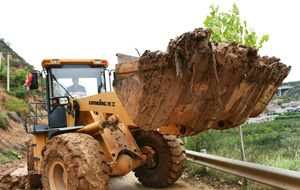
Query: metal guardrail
x,y
276,177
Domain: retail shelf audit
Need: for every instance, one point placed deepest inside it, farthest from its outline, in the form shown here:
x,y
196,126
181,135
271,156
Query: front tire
x,y
74,161
169,157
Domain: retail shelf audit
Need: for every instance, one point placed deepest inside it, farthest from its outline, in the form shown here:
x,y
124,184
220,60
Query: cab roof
x,y
59,62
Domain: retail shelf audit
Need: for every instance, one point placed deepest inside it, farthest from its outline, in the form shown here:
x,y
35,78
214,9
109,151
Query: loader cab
x,y
73,79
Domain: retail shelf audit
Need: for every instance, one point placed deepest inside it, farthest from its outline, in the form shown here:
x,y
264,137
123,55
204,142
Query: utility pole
x,y
8,72
8,53
0,60
241,143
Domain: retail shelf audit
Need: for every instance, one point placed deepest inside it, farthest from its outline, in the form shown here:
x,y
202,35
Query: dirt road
x,y
129,181
14,176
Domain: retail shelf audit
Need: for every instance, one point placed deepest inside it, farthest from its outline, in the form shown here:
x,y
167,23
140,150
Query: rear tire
x,y
74,161
170,159
34,179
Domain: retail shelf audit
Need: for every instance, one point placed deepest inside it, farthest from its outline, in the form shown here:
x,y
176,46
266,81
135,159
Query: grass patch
x,y
20,92
274,143
12,154
9,156
17,105
3,120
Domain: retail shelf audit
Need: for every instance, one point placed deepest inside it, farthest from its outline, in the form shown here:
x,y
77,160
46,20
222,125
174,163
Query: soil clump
x,y
198,83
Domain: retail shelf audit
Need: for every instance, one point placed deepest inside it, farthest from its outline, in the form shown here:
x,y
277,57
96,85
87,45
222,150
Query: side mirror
x,y
34,82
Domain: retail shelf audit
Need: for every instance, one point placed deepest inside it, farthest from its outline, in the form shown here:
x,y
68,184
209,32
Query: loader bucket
x,y
122,58
198,83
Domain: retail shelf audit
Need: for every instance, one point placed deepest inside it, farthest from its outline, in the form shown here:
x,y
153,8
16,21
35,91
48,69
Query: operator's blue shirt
x,y
78,89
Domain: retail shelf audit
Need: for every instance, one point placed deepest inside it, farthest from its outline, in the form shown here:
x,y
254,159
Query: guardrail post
x,y
204,152
242,149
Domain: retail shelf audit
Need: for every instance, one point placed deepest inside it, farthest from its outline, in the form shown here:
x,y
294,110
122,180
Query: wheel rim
x,y
58,175
156,159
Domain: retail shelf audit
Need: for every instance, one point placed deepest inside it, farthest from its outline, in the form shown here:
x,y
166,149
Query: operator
x,y
76,89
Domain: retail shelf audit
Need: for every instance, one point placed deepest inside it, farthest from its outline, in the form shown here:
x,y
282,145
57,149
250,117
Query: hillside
x,y
293,94
293,83
15,59
13,105
19,69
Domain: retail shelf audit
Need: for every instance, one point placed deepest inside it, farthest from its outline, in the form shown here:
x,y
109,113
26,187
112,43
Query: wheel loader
x,y
94,132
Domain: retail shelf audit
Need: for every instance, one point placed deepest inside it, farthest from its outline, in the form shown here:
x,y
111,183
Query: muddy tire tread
x,y
173,156
84,160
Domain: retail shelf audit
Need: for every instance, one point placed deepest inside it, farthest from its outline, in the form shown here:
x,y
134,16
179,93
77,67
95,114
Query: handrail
x,y
28,127
276,177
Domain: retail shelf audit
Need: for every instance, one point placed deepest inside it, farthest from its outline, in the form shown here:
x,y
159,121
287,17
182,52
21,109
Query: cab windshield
x,y
77,80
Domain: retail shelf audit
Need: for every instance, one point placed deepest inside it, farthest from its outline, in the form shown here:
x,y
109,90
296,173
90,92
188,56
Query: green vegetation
x,y
274,143
9,156
17,79
292,94
19,69
293,83
288,116
12,154
17,105
228,27
3,120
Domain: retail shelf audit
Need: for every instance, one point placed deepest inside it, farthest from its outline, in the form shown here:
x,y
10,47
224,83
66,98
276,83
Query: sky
x,y
90,29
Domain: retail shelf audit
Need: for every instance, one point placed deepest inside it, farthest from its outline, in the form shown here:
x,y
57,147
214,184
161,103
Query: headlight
x,y
63,101
59,101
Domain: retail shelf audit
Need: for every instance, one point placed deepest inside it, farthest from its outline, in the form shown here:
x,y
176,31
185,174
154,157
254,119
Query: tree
x,y
228,27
